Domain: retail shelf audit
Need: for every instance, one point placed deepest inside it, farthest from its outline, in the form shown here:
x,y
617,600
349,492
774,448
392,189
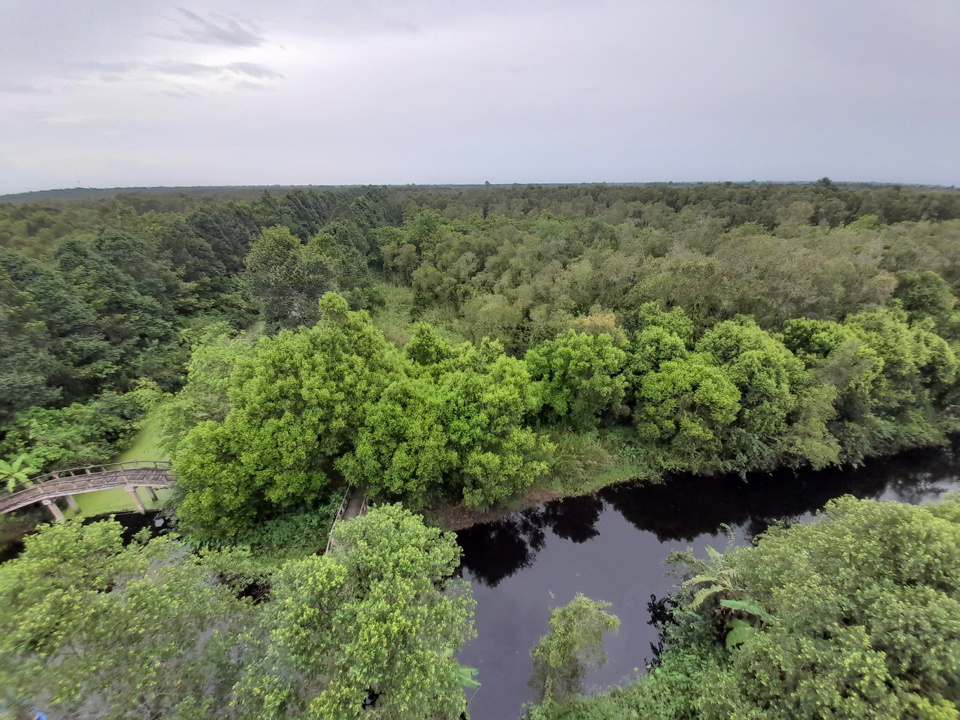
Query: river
x,y
611,547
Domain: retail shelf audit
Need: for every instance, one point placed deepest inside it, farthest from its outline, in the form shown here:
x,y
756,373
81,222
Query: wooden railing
x,y
86,470
48,487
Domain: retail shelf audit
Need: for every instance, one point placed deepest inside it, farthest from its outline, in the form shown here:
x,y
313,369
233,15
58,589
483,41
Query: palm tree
x,y
16,472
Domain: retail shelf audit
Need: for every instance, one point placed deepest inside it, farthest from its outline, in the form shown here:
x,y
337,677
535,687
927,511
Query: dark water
x,y
612,546
132,522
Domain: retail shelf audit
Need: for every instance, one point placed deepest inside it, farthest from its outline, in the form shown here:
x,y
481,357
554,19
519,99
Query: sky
x,y
111,93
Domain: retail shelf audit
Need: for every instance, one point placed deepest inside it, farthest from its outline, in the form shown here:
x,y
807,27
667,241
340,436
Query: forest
x,y
458,353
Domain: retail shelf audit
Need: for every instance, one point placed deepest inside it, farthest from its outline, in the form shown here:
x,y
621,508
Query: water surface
x,y
612,546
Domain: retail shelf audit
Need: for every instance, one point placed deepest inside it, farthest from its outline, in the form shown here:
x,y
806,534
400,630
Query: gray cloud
x,y
367,91
15,89
254,70
221,31
119,70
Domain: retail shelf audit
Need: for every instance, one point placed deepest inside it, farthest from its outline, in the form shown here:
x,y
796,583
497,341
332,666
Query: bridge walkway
x,y
46,489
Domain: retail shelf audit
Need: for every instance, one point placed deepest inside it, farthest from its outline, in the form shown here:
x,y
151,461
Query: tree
x,y
783,412
572,648
453,425
684,407
16,472
895,381
51,334
927,295
287,278
579,376
75,435
377,620
205,396
867,607
855,616
101,630
296,404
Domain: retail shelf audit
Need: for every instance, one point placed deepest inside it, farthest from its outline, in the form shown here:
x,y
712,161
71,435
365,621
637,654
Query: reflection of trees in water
x,y
494,551
660,612
688,506
574,519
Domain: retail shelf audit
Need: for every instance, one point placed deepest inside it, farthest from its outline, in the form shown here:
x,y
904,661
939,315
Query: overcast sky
x,y
106,93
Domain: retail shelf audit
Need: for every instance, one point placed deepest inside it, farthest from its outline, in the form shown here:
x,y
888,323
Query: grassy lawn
x,y
145,443
144,447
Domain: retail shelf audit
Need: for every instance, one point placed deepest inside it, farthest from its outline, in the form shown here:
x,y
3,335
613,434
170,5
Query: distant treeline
x,y
31,221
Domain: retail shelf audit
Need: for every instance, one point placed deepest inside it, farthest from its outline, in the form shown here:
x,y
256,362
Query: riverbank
x,y
586,464
580,465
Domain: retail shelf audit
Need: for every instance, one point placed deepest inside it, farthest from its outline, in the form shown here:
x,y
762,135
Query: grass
x,y
145,446
146,443
104,502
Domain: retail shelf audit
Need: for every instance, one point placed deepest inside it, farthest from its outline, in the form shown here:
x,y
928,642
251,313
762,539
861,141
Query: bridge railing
x,y
85,470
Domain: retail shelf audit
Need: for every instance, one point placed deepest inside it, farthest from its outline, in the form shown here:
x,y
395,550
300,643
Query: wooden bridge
x,y
354,504
45,489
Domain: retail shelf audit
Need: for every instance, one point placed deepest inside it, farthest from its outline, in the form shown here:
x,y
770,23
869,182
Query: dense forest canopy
x,y
456,350
105,299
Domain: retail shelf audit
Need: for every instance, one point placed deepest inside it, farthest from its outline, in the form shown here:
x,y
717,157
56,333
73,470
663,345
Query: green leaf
x,y
704,594
740,631
466,675
748,606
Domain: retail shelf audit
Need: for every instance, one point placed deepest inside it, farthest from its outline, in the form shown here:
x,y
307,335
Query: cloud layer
x,y
436,91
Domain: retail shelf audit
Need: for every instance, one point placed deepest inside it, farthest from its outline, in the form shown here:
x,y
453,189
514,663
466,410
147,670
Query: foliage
x,y
895,381
854,616
296,403
379,617
783,412
580,377
205,396
75,435
451,425
685,407
287,278
16,472
102,630
572,648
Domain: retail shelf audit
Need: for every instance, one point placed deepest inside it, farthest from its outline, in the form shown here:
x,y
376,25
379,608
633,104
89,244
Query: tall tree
x,y
287,278
94,629
376,623
296,405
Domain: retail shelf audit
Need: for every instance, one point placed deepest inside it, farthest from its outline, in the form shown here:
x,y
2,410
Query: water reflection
x,y
689,506
611,547
497,550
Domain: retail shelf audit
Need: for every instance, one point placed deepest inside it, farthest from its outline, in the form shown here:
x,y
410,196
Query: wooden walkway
x,y
354,504
47,488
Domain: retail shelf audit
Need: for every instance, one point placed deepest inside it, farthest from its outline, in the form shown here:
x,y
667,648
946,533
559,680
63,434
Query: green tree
x,y
855,616
75,435
927,295
454,425
296,404
102,630
580,377
287,277
205,396
783,412
16,472
867,603
684,408
895,381
572,648
379,617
